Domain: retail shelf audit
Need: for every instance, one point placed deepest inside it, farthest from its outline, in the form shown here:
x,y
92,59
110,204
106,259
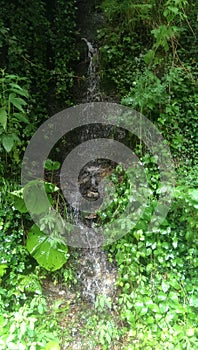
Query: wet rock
x,y
96,275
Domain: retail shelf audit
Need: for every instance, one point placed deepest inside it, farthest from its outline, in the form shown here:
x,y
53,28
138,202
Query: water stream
x,y
95,274
93,79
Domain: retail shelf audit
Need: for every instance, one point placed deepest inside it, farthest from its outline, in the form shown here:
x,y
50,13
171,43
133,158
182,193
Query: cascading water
x,y
95,274
93,80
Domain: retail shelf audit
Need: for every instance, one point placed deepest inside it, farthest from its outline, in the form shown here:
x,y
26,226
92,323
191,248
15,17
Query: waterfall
x,y
93,79
95,274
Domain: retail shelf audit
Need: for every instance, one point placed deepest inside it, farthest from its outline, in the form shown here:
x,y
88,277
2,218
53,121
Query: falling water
x,y
96,275
93,79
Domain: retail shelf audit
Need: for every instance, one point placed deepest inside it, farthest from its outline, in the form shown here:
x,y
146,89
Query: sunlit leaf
x,y
49,253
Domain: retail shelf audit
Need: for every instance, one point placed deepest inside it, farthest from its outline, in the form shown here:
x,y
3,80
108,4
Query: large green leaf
x,y
49,252
3,117
8,142
35,195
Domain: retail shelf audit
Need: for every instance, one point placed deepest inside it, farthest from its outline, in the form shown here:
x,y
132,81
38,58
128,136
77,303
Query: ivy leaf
x,y
48,252
51,165
165,286
3,268
175,242
173,282
193,301
190,332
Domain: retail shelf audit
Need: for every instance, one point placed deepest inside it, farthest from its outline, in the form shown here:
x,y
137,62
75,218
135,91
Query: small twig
x,y
189,23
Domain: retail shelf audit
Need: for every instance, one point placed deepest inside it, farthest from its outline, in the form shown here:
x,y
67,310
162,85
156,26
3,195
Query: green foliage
x,y
24,321
33,190
49,250
13,116
145,61
66,275
29,284
166,101
120,198
102,302
106,333
101,329
65,51
157,276
15,261
38,43
187,199
123,41
52,166
24,329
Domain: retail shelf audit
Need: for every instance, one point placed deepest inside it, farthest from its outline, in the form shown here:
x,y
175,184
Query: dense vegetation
x,y
147,54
